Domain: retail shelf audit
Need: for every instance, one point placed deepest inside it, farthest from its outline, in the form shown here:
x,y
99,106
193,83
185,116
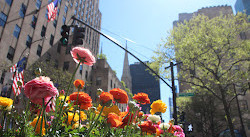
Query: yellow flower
x,y
33,123
76,117
62,98
76,125
108,110
5,102
70,117
83,116
158,106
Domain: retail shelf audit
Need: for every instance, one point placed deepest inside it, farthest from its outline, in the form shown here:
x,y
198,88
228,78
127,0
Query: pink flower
x,y
179,131
40,88
80,53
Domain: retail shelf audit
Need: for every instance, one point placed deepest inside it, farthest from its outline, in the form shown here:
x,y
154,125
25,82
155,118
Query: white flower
x,y
164,126
154,118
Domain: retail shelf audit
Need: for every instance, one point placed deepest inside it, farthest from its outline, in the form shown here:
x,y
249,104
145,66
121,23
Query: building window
x,y
11,53
80,69
55,23
9,2
98,81
16,31
28,41
3,19
65,9
38,4
58,48
2,77
33,23
63,19
39,50
68,48
43,31
22,10
66,65
75,12
86,75
58,10
111,83
46,13
76,4
51,40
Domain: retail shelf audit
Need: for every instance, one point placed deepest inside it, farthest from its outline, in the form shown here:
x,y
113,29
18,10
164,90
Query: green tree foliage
x,y
212,50
48,69
102,56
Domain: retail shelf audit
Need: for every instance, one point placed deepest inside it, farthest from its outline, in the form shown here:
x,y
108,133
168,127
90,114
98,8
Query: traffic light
x,y
78,36
65,35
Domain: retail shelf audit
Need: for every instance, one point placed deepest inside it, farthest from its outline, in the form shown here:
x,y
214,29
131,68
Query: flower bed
x,y
48,113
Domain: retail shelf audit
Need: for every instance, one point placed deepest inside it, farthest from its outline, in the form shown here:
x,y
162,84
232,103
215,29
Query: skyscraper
x,y
242,6
144,81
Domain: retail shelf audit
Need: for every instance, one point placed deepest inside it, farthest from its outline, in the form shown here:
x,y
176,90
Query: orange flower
x,y
140,114
106,98
171,129
107,110
142,98
148,127
79,84
114,120
38,127
119,95
84,100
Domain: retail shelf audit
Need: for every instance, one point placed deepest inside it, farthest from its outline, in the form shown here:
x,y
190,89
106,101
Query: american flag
x,y
17,71
52,10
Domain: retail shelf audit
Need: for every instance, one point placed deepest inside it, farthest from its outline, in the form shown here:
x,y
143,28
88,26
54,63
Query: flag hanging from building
x,y
52,10
17,71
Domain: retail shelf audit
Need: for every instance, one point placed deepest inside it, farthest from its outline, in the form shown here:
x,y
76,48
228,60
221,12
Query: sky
x,y
143,24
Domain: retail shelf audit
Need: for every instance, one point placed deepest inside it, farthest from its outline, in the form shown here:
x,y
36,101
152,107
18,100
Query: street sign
x,y
186,94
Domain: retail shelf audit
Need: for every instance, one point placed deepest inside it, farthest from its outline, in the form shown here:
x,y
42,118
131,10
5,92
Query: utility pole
x,y
174,93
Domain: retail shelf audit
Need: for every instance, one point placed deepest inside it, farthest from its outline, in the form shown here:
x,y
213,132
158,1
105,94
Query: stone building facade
x,y
105,78
25,30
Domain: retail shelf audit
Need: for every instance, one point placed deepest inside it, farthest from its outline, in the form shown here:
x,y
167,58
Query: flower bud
x,y
38,71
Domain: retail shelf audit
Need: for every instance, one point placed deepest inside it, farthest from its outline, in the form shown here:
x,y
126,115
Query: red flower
x,y
79,83
148,127
125,116
106,97
84,100
83,55
119,95
142,98
114,120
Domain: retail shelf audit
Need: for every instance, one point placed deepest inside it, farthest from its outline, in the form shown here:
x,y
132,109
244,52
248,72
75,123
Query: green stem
x,y
75,108
129,118
41,127
93,124
66,94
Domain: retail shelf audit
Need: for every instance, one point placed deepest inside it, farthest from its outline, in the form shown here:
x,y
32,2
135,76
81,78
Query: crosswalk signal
x,y
65,35
78,36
